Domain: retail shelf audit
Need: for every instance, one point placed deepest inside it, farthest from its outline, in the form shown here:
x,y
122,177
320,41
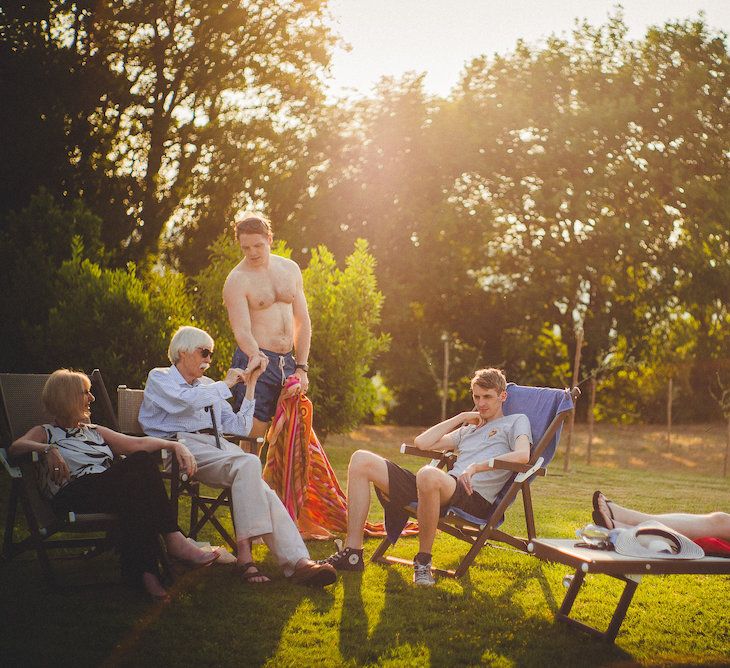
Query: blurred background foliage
x,y
578,184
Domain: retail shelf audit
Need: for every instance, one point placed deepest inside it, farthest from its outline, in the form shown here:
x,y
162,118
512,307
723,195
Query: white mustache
x,y
204,366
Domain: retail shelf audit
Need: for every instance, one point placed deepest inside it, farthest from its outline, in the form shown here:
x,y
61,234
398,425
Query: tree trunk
x,y
591,404
670,391
727,450
576,371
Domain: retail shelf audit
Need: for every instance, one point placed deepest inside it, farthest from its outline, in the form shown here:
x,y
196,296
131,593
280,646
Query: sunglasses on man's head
x,y
206,352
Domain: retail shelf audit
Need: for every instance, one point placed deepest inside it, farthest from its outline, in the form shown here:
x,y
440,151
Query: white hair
x,y
188,338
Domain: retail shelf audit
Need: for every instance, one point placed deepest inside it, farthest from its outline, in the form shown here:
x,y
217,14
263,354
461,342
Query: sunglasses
x,y
206,352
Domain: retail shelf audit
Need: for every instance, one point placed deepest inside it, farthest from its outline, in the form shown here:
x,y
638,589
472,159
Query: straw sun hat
x,y
653,540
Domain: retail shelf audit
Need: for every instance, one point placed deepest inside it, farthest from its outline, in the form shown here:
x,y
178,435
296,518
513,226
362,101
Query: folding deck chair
x,y
547,410
202,506
629,570
22,409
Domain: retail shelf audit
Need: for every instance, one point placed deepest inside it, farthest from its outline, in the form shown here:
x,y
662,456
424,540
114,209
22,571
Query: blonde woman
x,y
81,472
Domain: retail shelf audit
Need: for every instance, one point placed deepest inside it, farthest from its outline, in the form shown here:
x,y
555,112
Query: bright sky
x,y
390,37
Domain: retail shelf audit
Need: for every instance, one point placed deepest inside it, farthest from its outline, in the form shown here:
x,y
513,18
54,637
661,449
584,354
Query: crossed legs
x,y
693,526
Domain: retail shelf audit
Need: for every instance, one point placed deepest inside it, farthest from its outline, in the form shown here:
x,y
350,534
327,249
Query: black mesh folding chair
x,y
203,506
22,409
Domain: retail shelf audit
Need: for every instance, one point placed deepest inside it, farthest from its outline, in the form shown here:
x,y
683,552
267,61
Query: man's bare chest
x,y
266,290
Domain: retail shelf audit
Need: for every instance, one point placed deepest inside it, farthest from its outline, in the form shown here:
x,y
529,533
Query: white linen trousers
x,y
257,510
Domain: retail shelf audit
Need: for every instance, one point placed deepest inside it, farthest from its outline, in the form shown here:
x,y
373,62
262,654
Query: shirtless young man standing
x,y
264,295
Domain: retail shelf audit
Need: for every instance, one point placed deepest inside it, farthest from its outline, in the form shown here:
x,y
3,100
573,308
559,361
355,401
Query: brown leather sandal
x,y
243,569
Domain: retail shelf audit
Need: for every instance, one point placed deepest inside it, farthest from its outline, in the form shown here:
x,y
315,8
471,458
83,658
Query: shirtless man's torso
x,y
267,309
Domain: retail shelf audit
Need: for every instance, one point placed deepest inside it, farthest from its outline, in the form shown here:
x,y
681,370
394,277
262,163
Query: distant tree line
x,y
580,183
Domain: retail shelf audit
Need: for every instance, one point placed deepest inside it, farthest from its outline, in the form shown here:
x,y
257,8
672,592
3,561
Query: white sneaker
x,y
422,575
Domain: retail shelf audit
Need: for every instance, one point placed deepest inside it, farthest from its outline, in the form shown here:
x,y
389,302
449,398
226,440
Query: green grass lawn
x,y
501,613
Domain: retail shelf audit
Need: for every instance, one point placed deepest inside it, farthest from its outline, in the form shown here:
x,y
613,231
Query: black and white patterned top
x,y
82,448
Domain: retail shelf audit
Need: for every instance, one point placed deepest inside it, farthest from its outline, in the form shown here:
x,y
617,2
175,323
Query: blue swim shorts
x,y
269,384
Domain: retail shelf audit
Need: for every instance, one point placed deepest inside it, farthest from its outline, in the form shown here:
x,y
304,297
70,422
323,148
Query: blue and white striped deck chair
x,y
547,409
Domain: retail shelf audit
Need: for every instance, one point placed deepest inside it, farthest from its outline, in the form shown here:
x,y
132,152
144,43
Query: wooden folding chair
x,y
203,507
547,410
22,409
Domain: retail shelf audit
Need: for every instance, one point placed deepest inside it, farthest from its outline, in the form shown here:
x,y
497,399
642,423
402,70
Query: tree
x,y
345,309
189,107
34,243
113,319
385,171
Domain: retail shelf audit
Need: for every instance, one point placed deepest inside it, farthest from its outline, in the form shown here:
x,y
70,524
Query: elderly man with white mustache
x,y
178,402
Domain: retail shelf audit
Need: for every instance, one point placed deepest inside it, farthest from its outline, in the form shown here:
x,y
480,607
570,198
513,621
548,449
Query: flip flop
x,y
599,517
247,577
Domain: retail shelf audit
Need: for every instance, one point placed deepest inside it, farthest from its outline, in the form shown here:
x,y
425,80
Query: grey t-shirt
x,y
477,445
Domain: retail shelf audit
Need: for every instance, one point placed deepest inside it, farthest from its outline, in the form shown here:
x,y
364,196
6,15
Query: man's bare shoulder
x,y
237,276
284,263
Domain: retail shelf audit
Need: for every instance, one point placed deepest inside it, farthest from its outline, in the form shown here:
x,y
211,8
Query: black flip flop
x,y
600,518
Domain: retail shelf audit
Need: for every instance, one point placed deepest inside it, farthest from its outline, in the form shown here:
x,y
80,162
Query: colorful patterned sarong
x,y
298,470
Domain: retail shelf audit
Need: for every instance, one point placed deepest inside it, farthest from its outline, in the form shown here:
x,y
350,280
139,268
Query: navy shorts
x,y
402,491
269,384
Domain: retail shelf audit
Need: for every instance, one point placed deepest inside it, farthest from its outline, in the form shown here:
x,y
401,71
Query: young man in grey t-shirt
x,y
479,436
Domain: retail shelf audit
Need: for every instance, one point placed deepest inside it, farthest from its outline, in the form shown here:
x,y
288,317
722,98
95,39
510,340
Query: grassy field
x,y
500,614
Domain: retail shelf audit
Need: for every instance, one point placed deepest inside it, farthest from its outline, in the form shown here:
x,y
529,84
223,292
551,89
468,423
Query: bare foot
x,y
181,548
154,588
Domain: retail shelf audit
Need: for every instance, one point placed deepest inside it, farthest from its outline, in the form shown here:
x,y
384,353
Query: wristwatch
x,y
303,366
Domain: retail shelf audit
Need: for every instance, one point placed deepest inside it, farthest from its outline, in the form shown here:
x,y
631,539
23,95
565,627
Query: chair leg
x,y
208,506
8,545
529,515
194,507
630,586
164,558
175,495
378,555
38,542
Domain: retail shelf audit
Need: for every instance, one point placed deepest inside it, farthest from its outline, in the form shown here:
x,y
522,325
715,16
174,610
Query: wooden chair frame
x,y
478,535
628,570
203,507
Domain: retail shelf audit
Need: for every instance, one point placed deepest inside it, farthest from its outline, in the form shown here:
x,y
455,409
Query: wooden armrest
x,y
429,454
236,437
518,468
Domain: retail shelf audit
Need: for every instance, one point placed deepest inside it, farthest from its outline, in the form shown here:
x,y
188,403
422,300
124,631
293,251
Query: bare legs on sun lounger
x,y
693,526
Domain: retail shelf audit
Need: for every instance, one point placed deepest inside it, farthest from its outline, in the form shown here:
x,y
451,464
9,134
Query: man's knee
x,y
245,463
364,462
429,479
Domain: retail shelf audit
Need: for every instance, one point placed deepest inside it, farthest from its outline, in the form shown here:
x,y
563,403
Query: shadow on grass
x,y
464,622
218,619
215,618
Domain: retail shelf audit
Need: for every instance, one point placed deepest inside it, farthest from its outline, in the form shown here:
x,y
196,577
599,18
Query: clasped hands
x,y
246,376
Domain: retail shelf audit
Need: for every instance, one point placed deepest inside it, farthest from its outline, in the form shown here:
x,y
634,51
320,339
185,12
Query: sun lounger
x,y
629,570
